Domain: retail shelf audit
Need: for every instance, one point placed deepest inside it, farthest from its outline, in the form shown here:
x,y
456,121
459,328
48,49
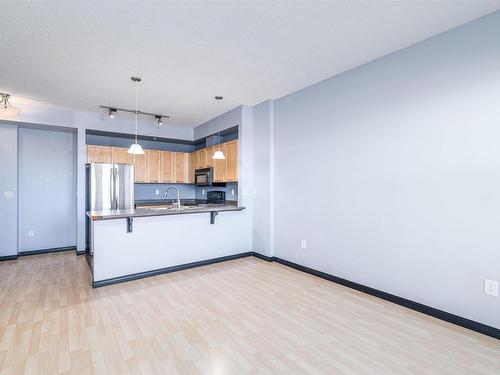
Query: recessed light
x,y
218,97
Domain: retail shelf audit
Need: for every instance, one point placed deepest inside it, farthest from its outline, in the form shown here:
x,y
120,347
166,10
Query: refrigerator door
x,y
123,190
100,186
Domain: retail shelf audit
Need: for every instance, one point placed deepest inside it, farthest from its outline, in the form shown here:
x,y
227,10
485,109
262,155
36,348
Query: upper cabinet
x,y
141,167
193,160
181,161
156,166
231,154
219,164
121,155
202,158
98,154
167,166
153,165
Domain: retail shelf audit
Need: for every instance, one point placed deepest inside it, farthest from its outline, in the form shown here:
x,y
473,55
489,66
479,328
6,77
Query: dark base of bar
x,y
135,276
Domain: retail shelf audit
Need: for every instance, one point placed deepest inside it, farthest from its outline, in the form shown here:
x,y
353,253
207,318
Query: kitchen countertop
x,y
162,202
151,211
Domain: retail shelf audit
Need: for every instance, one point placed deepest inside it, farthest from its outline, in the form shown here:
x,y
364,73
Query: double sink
x,y
184,207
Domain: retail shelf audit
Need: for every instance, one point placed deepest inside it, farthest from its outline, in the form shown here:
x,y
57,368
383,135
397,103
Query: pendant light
x,y
218,154
136,148
7,109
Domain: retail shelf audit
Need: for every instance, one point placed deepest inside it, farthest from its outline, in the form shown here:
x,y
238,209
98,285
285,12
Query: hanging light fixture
x,y
136,148
218,154
7,109
111,112
159,122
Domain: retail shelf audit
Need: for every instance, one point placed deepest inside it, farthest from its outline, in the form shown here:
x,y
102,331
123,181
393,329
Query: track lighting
x,y
112,111
159,122
7,109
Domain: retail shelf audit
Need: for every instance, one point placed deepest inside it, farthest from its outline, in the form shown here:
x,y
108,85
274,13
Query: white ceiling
x,y
82,54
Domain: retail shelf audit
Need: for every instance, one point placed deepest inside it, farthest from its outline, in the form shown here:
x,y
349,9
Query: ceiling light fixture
x,y
7,109
136,148
111,112
159,122
218,154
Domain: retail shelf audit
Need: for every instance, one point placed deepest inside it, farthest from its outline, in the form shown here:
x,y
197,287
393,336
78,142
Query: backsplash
x,y
187,191
148,191
230,187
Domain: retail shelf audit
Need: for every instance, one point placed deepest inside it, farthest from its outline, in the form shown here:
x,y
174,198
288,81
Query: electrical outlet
x,y
157,192
202,191
232,191
31,233
491,287
303,244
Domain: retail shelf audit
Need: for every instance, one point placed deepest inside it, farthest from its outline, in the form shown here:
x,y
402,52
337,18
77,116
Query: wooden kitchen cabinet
x,y
181,161
140,167
167,166
193,162
231,153
98,154
157,166
219,164
202,158
121,155
153,166
210,152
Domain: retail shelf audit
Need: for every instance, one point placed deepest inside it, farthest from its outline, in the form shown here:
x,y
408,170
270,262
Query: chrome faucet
x,y
178,204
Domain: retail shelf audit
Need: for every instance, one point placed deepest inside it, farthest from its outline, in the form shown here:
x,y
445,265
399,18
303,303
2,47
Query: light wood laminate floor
x,y
237,317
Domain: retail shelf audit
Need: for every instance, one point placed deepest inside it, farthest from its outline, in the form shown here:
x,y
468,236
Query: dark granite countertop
x,y
160,211
161,202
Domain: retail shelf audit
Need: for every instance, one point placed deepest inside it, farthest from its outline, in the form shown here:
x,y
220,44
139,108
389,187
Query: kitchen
x,y
200,185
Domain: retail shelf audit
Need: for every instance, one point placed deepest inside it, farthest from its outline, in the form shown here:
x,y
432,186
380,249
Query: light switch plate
x,y
491,287
31,233
303,244
157,192
8,194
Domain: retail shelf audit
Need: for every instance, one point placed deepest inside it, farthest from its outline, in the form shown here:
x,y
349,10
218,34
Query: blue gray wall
x,y
100,140
263,177
231,190
403,154
148,191
47,189
8,190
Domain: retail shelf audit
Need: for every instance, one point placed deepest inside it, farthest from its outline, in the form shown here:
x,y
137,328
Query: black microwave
x,y
204,177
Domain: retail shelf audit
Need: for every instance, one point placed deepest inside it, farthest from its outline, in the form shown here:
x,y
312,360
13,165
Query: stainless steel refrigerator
x,y
109,187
